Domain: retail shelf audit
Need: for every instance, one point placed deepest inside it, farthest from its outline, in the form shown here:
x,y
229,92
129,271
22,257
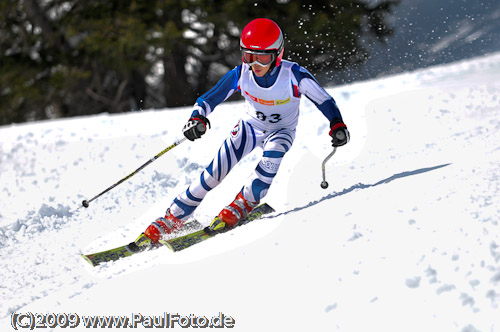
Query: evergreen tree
x,y
74,57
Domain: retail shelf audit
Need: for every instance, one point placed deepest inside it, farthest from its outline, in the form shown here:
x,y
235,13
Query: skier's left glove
x,y
339,133
195,127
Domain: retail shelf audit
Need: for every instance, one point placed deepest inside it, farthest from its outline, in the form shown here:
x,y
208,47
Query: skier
x,y
272,88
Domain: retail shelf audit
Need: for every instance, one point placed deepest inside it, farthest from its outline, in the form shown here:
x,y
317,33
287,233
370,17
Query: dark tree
x,y
63,58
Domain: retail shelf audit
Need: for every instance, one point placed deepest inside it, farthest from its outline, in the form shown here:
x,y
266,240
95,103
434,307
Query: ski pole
x,y
324,184
86,203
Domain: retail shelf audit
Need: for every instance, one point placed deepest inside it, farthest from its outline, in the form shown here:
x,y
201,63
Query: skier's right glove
x,y
196,127
339,133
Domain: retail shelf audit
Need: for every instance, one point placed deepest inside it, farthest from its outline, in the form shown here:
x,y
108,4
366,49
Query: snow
x,y
406,237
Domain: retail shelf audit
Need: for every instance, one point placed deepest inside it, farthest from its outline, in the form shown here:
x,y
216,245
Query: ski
x,y
186,241
175,244
117,253
108,255
142,243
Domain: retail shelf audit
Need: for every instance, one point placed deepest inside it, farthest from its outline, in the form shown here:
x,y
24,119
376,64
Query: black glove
x,y
195,127
339,133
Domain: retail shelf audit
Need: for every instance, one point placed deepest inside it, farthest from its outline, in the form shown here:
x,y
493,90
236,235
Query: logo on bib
x,y
282,102
268,102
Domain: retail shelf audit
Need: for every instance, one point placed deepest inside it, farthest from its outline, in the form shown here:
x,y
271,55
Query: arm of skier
x,y
310,87
205,104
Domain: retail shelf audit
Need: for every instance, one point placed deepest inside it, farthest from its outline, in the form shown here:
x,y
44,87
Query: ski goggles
x,y
262,58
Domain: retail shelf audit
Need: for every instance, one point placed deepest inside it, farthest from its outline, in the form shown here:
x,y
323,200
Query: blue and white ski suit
x,y
269,121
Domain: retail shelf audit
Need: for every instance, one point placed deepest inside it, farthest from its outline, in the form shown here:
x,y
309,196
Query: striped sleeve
x,y
310,87
226,86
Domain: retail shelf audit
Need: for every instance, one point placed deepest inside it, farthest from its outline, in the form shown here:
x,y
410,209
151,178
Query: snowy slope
x,y
406,238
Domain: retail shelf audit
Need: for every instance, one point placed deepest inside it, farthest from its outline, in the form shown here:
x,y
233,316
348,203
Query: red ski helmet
x,y
263,35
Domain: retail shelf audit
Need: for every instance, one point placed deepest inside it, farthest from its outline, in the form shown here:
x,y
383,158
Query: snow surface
x,y
406,238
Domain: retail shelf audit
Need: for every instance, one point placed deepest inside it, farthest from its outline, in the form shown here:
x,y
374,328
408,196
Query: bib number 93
x,y
273,118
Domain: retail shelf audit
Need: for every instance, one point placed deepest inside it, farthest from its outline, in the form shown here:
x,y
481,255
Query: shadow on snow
x,y
361,186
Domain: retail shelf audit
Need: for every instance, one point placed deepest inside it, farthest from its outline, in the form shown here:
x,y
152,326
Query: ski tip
x,y
88,259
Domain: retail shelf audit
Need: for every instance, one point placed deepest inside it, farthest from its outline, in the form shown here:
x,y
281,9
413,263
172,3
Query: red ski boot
x,y
162,226
236,211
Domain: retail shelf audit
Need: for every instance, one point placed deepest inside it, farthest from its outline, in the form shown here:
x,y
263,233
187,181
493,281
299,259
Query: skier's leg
x,y
240,142
275,146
